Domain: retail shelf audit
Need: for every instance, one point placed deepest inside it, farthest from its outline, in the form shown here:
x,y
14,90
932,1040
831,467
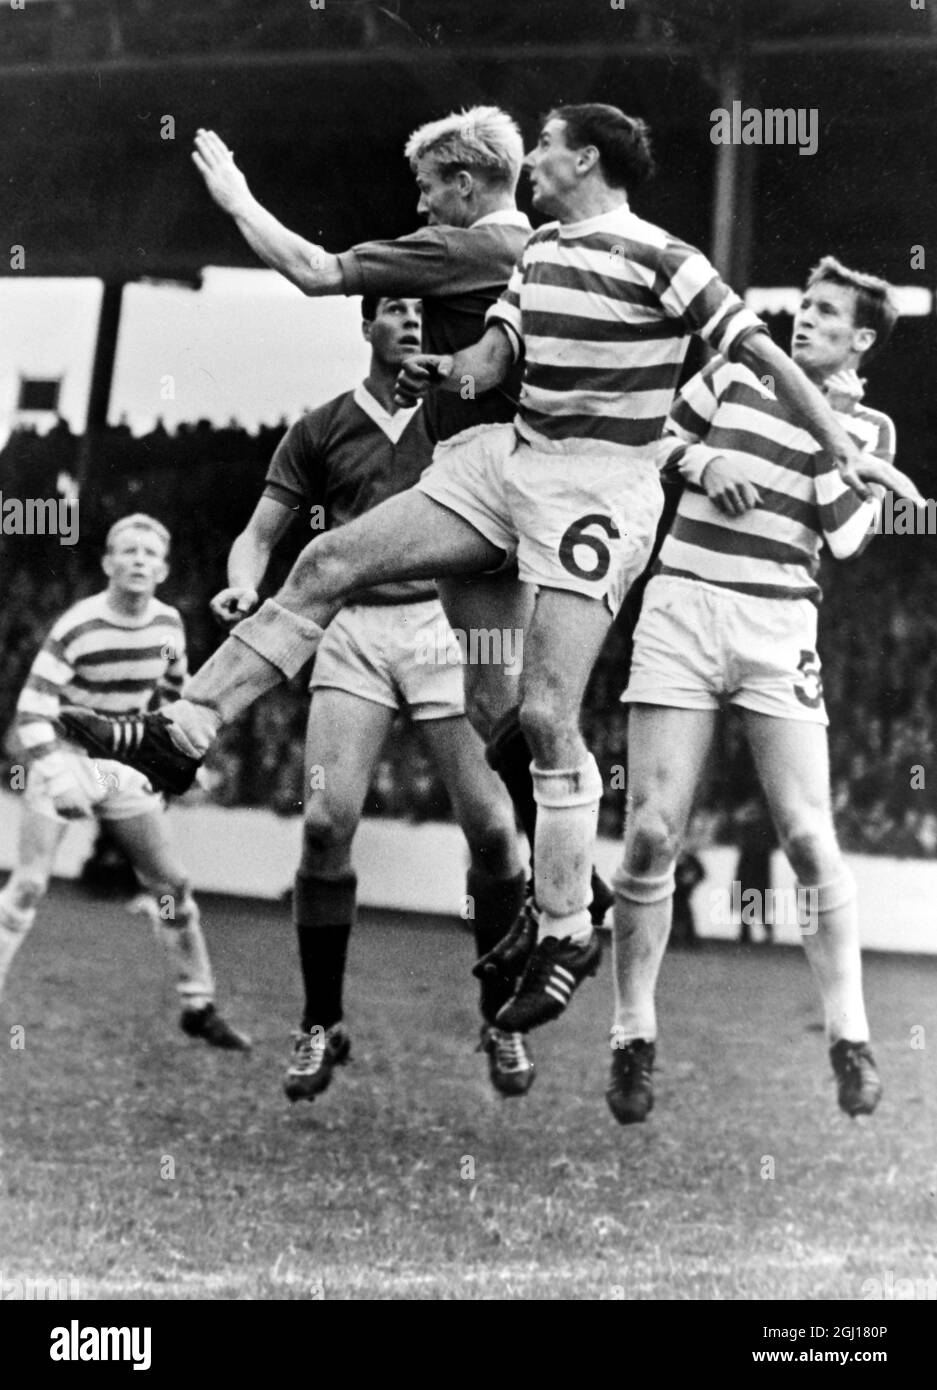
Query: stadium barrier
x,y
421,868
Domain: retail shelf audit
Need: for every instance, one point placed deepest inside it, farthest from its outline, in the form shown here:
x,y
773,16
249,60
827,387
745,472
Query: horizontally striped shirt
x,y
774,549
96,657
603,310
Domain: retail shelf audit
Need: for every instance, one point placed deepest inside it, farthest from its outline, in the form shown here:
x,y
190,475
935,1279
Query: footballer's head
x,y
592,144
465,165
393,327
844,317
136,555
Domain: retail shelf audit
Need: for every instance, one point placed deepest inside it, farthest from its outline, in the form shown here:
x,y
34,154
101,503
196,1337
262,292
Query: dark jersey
x,y
458,272
337,463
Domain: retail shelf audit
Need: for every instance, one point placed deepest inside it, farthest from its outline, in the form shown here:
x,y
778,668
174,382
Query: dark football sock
x,y
509,754
496,903
323,913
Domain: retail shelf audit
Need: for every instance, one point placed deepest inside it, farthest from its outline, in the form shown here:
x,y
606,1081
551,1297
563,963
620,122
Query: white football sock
x,y
15,923
567,820
831,941
178,927
643,912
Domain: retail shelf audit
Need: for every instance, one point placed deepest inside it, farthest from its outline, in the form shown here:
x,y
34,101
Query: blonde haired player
x,y
111,652
599,314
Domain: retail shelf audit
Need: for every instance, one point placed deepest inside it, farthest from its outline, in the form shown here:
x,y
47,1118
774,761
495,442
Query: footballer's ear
x,y
587,158
863,339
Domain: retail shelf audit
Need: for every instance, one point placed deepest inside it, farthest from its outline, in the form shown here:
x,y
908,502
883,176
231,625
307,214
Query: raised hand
x,y
844,390
223,179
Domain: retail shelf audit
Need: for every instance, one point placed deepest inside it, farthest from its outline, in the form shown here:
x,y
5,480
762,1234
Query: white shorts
x,y
697,646
116,791
580,522
396,655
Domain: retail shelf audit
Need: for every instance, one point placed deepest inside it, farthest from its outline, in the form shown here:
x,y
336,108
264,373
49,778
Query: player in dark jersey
x,y
466,167
390,648
656,293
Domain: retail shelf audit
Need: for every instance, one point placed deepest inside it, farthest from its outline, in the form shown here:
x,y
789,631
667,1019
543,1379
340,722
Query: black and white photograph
x,y
468,697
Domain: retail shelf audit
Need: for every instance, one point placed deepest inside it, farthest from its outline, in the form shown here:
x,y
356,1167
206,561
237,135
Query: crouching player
x,y
389,648
731,615
111,652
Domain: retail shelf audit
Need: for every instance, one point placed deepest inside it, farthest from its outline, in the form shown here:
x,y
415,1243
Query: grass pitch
x,y
146,1165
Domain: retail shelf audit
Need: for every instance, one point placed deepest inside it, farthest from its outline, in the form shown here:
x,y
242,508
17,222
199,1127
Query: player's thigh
x,y
148,844
408,536
492,603
344,738
563,640
667,750
792,760
38,841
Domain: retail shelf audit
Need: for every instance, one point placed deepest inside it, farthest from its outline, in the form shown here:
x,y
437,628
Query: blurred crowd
x,y
878,643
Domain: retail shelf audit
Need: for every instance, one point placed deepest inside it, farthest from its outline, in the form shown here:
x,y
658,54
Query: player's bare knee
x,y
546,725
652,843
492,842
813,853
323,570
326,832
28,888
175,887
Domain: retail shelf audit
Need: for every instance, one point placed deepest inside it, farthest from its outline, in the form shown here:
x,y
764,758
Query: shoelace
x,y
308,1052
510,1053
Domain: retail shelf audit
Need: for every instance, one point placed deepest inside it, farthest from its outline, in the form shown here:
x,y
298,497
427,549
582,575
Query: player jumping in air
x,y
466,168
600,308
111,653
731,616
390,648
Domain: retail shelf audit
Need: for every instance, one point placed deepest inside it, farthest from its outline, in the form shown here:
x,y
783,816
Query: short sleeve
x,y
414,265
690,288
295,476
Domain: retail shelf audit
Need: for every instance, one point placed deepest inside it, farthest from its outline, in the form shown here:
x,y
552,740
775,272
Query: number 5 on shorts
x,y
811,692
576,535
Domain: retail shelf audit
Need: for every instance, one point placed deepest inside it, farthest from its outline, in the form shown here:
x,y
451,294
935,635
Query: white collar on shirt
x,y
392,425
507,217
601,222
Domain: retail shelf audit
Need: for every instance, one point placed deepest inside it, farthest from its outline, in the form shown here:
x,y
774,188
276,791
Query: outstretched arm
x,y
306,265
